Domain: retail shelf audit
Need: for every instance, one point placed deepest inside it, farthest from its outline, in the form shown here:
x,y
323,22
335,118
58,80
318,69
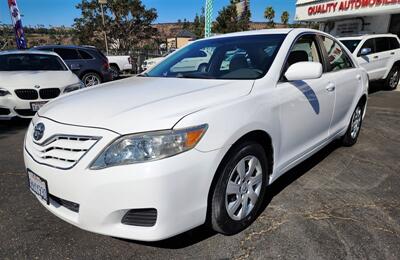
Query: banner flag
x,y
17,23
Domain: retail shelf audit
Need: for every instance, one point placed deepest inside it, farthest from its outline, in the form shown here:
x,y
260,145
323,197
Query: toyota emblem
x,y
38,132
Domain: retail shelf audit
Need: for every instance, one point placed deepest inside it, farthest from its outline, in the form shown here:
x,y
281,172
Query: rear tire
x,y
392,80
91,79
240,188
354,129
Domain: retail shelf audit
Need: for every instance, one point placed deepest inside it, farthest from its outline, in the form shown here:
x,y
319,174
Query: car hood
x,y
12,80
142,104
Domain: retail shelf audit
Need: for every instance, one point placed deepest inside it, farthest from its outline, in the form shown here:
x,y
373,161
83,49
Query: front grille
x,y
65,203
4,111
140,217
25,112
27,94
62,151
49,93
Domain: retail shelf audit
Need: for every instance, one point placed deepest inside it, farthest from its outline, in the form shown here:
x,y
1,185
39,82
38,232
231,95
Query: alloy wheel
x,y
394,80
91,80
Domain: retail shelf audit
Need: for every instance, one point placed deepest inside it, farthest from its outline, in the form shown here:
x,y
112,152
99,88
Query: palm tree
x,y
285,17
269,14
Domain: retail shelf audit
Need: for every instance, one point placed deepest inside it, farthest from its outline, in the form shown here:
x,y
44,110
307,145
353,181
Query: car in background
x,y
172,150
87,62
379,55
149,63
120,64
30,79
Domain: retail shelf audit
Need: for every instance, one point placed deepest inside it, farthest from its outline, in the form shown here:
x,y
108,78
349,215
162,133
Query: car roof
x,y
368,36
30,51
86,47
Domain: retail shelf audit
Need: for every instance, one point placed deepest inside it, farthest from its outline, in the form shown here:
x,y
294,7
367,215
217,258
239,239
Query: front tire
x,y
392,80
353,130
115,71
240,188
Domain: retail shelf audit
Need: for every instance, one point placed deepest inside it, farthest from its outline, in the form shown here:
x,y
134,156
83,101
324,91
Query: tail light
x,y
106,65
130,60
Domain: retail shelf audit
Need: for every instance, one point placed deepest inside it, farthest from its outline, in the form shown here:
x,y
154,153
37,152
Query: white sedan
x,y
30,79
150,157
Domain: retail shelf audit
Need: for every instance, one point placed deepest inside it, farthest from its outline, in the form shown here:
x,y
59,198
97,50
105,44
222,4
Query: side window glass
x,y
337,57
67,54
305,49
85,55
382,44
394,44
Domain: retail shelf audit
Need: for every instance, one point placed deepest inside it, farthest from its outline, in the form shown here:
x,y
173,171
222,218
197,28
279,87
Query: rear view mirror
x,y
304,70
365,51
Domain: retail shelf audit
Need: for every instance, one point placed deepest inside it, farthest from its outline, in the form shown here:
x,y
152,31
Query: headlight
x,y
74,87
152,146
4,92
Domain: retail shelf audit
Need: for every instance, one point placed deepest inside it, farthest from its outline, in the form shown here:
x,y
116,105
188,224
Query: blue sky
x,y
63,12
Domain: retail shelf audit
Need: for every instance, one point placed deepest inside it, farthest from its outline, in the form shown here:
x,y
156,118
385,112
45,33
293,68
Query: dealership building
x,y
351,17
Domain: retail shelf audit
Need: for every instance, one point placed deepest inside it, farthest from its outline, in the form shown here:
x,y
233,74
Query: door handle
x,y
392,53
376,57
359,77
331,87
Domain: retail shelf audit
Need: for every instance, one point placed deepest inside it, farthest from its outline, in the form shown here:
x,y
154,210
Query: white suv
x,y
379,55
149,157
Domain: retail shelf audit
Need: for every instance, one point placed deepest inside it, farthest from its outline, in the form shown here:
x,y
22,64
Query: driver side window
x,y
305,49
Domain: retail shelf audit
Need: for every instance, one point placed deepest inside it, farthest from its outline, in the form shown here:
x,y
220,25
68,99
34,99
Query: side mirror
x,y
365,51
304,70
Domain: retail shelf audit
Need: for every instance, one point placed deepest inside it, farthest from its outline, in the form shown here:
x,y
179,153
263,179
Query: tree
x,y
128,23
285,17
269,14
229,20
197,27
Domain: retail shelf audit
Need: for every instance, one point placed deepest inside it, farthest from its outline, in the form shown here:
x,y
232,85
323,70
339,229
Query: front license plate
x,y
38,186
35,106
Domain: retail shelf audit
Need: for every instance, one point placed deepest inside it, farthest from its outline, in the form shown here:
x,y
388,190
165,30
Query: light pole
x,y
103,2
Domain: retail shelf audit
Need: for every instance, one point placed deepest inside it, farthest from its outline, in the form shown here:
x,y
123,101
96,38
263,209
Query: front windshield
x,y
30,62
241,57
351,44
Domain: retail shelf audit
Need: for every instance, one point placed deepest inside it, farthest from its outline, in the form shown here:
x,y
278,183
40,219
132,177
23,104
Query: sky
x,y
63,12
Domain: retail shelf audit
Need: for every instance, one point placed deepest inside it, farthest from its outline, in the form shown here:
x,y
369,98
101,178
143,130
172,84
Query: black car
x,y
89,63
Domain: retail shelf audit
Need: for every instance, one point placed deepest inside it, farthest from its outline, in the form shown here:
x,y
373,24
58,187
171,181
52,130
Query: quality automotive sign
x,y
310,10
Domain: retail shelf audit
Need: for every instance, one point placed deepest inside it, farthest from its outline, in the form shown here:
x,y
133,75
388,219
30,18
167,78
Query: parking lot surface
x,y
343,203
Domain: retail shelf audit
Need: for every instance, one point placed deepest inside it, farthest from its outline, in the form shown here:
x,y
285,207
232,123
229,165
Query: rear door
x,y
383,51
71,58
347,79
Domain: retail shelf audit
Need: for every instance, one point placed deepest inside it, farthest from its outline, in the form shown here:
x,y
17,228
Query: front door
x,y
306,106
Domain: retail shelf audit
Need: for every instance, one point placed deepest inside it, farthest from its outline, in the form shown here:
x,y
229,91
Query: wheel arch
x,y
259,136
115,64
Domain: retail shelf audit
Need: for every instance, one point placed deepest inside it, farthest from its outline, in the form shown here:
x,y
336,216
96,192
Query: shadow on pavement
x,y
8,127
203,232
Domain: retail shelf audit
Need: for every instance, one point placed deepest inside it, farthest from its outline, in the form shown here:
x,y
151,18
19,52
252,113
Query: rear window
x,y
351,44
67,54
394,44
382,44
85,55
31,62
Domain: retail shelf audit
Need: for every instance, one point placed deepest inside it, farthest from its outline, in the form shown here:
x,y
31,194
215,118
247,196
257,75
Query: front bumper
x,y
16,107
177,187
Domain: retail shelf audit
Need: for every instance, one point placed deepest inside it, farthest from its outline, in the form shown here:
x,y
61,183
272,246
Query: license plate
x,y
35,106
38,186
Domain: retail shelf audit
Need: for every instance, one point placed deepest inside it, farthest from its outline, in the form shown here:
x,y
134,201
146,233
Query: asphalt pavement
x,y
343,203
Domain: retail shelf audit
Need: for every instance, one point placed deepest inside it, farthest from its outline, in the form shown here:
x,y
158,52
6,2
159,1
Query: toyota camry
x,y
150,157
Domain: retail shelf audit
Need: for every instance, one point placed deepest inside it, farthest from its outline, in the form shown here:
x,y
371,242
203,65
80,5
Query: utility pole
x,y
103,2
